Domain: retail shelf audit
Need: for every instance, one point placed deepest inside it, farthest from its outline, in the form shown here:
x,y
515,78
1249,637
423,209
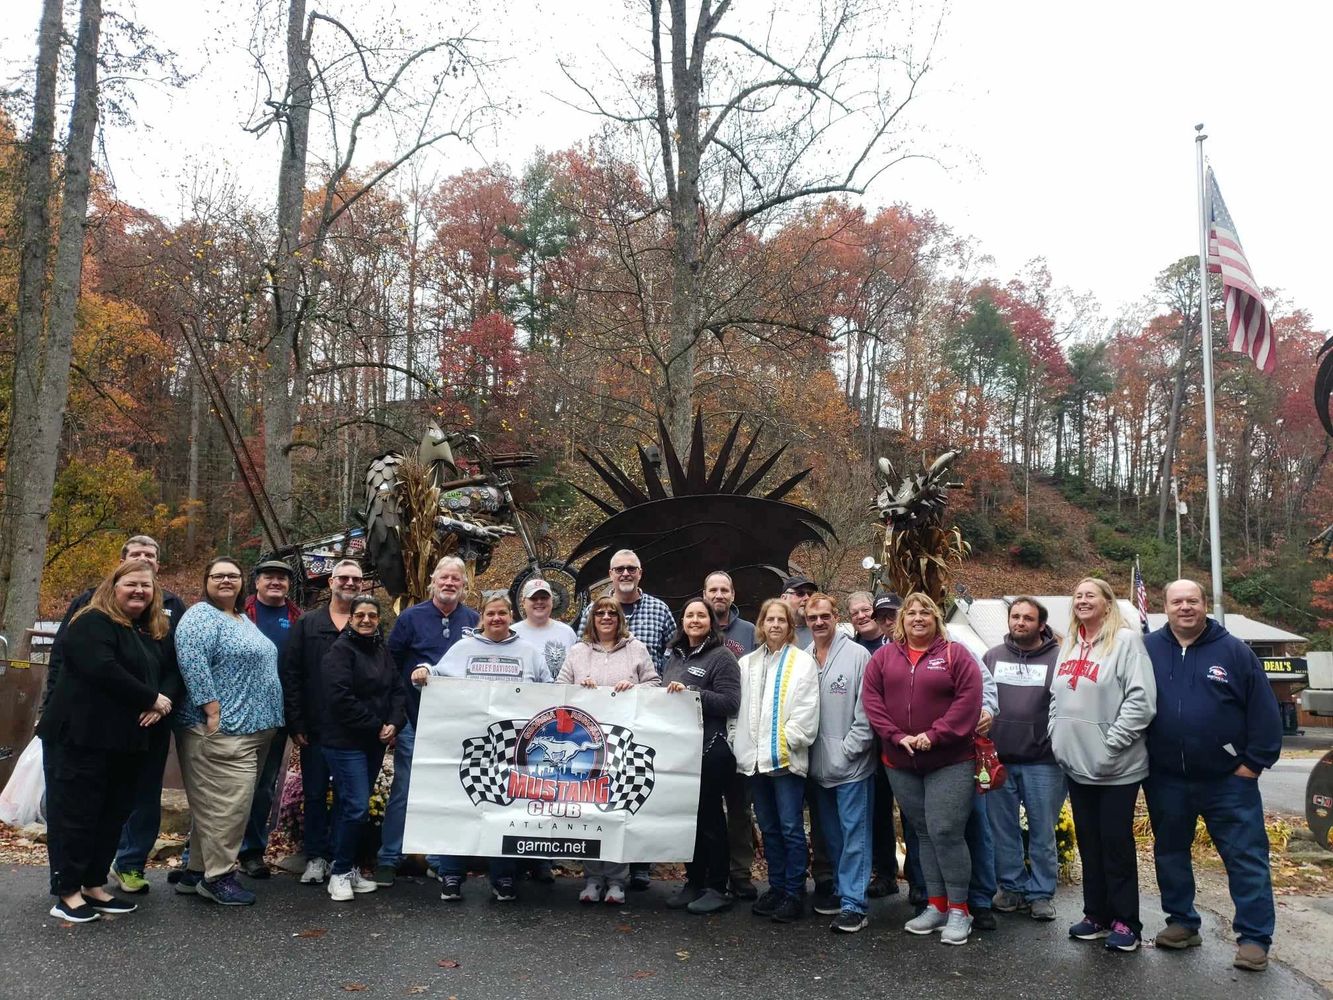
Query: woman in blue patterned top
x,y
233,704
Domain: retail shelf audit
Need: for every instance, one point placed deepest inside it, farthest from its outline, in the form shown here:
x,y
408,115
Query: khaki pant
x,y
219,773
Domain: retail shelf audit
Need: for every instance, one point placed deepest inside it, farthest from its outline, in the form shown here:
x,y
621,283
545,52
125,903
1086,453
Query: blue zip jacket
x,y
1215,707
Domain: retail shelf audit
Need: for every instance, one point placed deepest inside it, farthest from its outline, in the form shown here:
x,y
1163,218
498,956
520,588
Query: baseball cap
x,y
887,602
536,586
273,566
798,581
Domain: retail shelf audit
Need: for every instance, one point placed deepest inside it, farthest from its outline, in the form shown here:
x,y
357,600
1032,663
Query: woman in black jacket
x,y
365,707
698,660
119,679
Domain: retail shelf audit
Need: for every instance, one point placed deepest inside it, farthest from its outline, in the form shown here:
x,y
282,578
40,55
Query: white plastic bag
x,y
24,799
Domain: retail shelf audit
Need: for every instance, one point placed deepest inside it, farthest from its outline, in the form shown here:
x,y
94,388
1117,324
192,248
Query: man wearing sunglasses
x,y
302,689
652,623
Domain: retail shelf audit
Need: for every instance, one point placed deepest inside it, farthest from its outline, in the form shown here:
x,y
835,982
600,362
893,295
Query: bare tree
x,y
42,361
746,118
354,86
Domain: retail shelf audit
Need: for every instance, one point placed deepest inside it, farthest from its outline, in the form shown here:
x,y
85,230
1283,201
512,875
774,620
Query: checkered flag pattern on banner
x,y
630,766
484,771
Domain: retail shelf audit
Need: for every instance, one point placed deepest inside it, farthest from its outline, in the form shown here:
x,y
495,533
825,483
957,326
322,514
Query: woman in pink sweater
x,y
606,655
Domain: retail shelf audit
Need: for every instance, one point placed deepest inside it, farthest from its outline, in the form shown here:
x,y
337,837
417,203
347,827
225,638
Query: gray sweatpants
x,y
937,805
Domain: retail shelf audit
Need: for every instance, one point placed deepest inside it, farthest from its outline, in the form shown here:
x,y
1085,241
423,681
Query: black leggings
x,y
711,865
1104,828
89,795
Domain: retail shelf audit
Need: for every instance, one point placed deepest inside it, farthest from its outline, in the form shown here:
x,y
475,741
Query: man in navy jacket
x,y
1217,727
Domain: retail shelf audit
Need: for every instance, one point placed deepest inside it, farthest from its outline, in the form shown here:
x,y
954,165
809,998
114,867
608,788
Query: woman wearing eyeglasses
x,y
606,655
232,706
365,707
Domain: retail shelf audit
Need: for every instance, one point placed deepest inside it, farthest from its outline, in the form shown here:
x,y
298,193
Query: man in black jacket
x,y
141,829
303,700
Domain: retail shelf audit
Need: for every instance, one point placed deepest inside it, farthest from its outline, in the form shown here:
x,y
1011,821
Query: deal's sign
x,y
554,771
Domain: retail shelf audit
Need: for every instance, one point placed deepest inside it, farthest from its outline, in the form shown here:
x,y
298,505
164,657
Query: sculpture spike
x,y
625,497
723,457
696,476
787,486
735,475
629,484
606,507
679,487
760,472
650,477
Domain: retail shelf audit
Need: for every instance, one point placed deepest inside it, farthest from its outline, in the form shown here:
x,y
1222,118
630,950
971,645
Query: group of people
x,y
804,715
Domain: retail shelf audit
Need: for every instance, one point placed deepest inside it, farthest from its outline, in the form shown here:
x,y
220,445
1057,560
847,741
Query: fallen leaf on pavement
x,y
413,990
682,955
624,929
355,987
642,973
313,932
447,963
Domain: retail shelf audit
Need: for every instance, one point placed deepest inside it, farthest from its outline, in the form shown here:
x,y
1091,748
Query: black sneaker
x,y
541,873
789,910
453,889
827,903
112,905
640,881
983,919
684,896
743,888
879,888
385,876
503,891
848,922
252,866
82,914
766,904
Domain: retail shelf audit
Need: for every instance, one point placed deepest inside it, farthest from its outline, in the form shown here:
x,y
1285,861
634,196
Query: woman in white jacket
x,y
775,726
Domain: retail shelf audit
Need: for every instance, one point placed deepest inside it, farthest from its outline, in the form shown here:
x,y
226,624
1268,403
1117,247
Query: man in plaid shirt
x,y
651,622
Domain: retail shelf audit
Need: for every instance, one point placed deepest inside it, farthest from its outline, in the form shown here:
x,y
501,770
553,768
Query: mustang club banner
x,y
554,771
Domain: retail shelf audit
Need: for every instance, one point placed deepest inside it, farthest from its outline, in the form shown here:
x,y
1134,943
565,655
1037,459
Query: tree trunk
x,y
1172,433
192,475
42,428
35,215
282,384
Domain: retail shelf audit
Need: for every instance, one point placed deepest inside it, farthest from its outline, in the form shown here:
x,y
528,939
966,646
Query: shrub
x,y
1031,551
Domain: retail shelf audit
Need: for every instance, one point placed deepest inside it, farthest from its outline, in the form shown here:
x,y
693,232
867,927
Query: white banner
x,y
554,771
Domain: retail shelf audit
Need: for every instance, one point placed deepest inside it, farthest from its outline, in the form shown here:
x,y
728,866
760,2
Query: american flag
x,y
1247,319
1140,596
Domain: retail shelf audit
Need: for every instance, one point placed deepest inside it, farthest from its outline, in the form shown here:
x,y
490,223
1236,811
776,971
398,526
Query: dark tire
x,y
566,602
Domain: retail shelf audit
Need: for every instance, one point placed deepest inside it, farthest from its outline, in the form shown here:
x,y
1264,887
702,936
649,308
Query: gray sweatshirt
x,y
843,751
478,658
1101,704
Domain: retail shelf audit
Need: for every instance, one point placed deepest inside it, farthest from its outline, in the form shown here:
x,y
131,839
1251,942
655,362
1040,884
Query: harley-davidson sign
x,y
555,771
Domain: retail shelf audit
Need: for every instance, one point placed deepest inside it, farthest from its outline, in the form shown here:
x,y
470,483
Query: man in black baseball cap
x,y
886,610
796,590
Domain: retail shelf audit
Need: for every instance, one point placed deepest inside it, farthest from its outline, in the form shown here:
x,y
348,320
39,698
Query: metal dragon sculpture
x,y
919,553
1323,387
698,519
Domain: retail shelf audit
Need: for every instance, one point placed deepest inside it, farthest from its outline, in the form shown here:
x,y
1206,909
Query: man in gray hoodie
x,y
1023,666
842,764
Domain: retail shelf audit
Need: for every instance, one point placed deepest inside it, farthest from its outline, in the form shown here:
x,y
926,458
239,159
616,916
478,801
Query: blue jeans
x,y
981,887
1233,811
844,813
1041,790
395,810
354,773
316,816
139,834
257,827
779,801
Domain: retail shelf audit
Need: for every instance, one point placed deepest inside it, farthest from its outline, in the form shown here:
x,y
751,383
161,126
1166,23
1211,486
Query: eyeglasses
x,y
224,577
624,570
349,579
365,615
605,613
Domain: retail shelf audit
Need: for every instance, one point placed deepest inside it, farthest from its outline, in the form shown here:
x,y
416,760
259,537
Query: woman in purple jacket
x,y
922,694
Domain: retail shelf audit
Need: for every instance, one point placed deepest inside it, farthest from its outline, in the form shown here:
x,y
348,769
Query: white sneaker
x,y
927,921
615,894
360,883
592,891
316,871
340,887
957,929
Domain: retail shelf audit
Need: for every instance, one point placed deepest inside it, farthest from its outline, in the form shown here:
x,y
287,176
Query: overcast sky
x,y
1069,125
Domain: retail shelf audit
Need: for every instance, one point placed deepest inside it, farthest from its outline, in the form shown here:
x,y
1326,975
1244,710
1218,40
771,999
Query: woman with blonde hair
x,y
922,694
607,655
776,723
119,680
1103,697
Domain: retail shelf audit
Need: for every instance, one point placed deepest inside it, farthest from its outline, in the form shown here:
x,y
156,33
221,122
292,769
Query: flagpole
x,y
1206,322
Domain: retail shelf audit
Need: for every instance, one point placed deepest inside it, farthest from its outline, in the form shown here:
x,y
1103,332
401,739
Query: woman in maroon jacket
x,y
922,694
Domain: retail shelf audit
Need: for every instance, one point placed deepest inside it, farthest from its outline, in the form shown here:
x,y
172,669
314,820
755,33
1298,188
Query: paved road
x,y
390,942
1283,785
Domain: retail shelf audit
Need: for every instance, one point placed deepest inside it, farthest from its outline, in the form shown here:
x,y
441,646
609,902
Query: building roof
x,y
988,619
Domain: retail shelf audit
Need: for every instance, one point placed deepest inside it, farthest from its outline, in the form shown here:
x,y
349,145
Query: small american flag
x,y
1140,597
1251,330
